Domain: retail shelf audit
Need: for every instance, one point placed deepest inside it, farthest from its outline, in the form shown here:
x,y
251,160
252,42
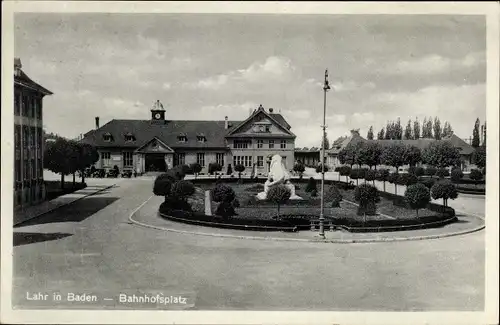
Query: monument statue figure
x,y
278,175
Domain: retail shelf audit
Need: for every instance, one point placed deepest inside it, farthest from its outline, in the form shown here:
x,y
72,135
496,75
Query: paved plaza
x,y
90,245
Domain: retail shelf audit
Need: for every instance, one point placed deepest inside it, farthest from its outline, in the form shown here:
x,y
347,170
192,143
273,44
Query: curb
x,y
65,204
317,240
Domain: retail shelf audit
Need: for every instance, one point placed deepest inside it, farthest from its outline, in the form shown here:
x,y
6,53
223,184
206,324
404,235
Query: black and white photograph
x,y
299,158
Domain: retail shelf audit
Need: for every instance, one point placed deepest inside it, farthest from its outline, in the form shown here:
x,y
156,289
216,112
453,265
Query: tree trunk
x,y
62,181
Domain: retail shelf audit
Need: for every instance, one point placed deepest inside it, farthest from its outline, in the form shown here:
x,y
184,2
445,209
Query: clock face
x,y
157,116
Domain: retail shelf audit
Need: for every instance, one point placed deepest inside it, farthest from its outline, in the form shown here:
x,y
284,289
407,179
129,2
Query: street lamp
x,y
326,87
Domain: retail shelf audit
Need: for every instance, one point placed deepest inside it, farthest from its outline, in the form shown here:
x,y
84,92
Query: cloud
x,y
166,85
435,64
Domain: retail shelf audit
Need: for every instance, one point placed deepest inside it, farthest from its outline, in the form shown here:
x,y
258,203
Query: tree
x,y
369,136
430,171
407,179
382,176
213,168
326,141
370,176
417,196
394,155
441,154
162,186
398,130
239,168
345,171
348,155
225,196
412,155
354,175
437,129
367,196
475,134
429,128
182,189
476,175
388,131
299,168
416,129
445,190
57,158
279,195
73,158
447,130
418,171
311,185
479,157
319,168
333,195
424,128
456,175
88,157
381,134
408,131
393,179
369,154
196,168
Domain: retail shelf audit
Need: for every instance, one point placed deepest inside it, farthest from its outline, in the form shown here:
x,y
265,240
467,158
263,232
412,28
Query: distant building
x,y
159,144
465,149
310,157
28,138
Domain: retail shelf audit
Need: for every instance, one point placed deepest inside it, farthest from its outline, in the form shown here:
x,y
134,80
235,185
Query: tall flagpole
x,y
326,87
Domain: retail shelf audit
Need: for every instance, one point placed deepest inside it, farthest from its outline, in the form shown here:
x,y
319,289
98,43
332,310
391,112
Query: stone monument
x,y
278,175
208,203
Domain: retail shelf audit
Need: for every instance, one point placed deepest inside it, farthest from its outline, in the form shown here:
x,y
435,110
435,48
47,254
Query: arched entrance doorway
x,y
155,162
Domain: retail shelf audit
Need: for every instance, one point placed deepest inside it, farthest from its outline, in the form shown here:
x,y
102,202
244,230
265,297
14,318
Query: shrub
x,y
345,171
456,174
419,171
279,195
411,170
417,196
186,169
239,168
367,196
182,189
476,175
333,195
223,193
311,185
176,203
213,168
442,172
430,171
314,193
337,169
196,168
407,179
319,168
427,182
162,185
370,175
229,169
299,168
444,189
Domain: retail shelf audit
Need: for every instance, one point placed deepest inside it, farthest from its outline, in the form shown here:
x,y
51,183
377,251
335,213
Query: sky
x,y
208,66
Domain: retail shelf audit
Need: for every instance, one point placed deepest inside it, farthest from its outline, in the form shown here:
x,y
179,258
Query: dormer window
x,y
182,137
260,127
201,138
129,137
107,137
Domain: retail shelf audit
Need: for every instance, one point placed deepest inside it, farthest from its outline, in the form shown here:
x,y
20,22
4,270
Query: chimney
x,y
226,124
271,110
96,122
17,66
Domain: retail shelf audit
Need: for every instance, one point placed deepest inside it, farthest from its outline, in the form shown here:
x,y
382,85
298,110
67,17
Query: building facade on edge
x,y
28,139
159,144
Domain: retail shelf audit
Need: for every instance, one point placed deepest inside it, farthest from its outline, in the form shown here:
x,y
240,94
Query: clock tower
x,y
158,113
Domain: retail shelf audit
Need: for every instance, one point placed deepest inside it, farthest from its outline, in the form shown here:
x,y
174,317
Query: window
x,y
201,139
268,128
129,137
283,144
17,104
179,159
271,144
182,138
200,158
107,137
241,144
243,160
219,158
128,159
260,143
106,159
260,161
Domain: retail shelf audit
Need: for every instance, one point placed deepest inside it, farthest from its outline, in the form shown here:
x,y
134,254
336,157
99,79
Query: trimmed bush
x,y
182,189
417,196
162,185
367,196
411,170
456,174
361,173
442,172
427,182
444,189
370,175
476,175
430,171
393,178
333,195
196,169
229,170
419,171
213,168
223,193
279,195
239,168
311,185
299,168
354,174
186,169
407,179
